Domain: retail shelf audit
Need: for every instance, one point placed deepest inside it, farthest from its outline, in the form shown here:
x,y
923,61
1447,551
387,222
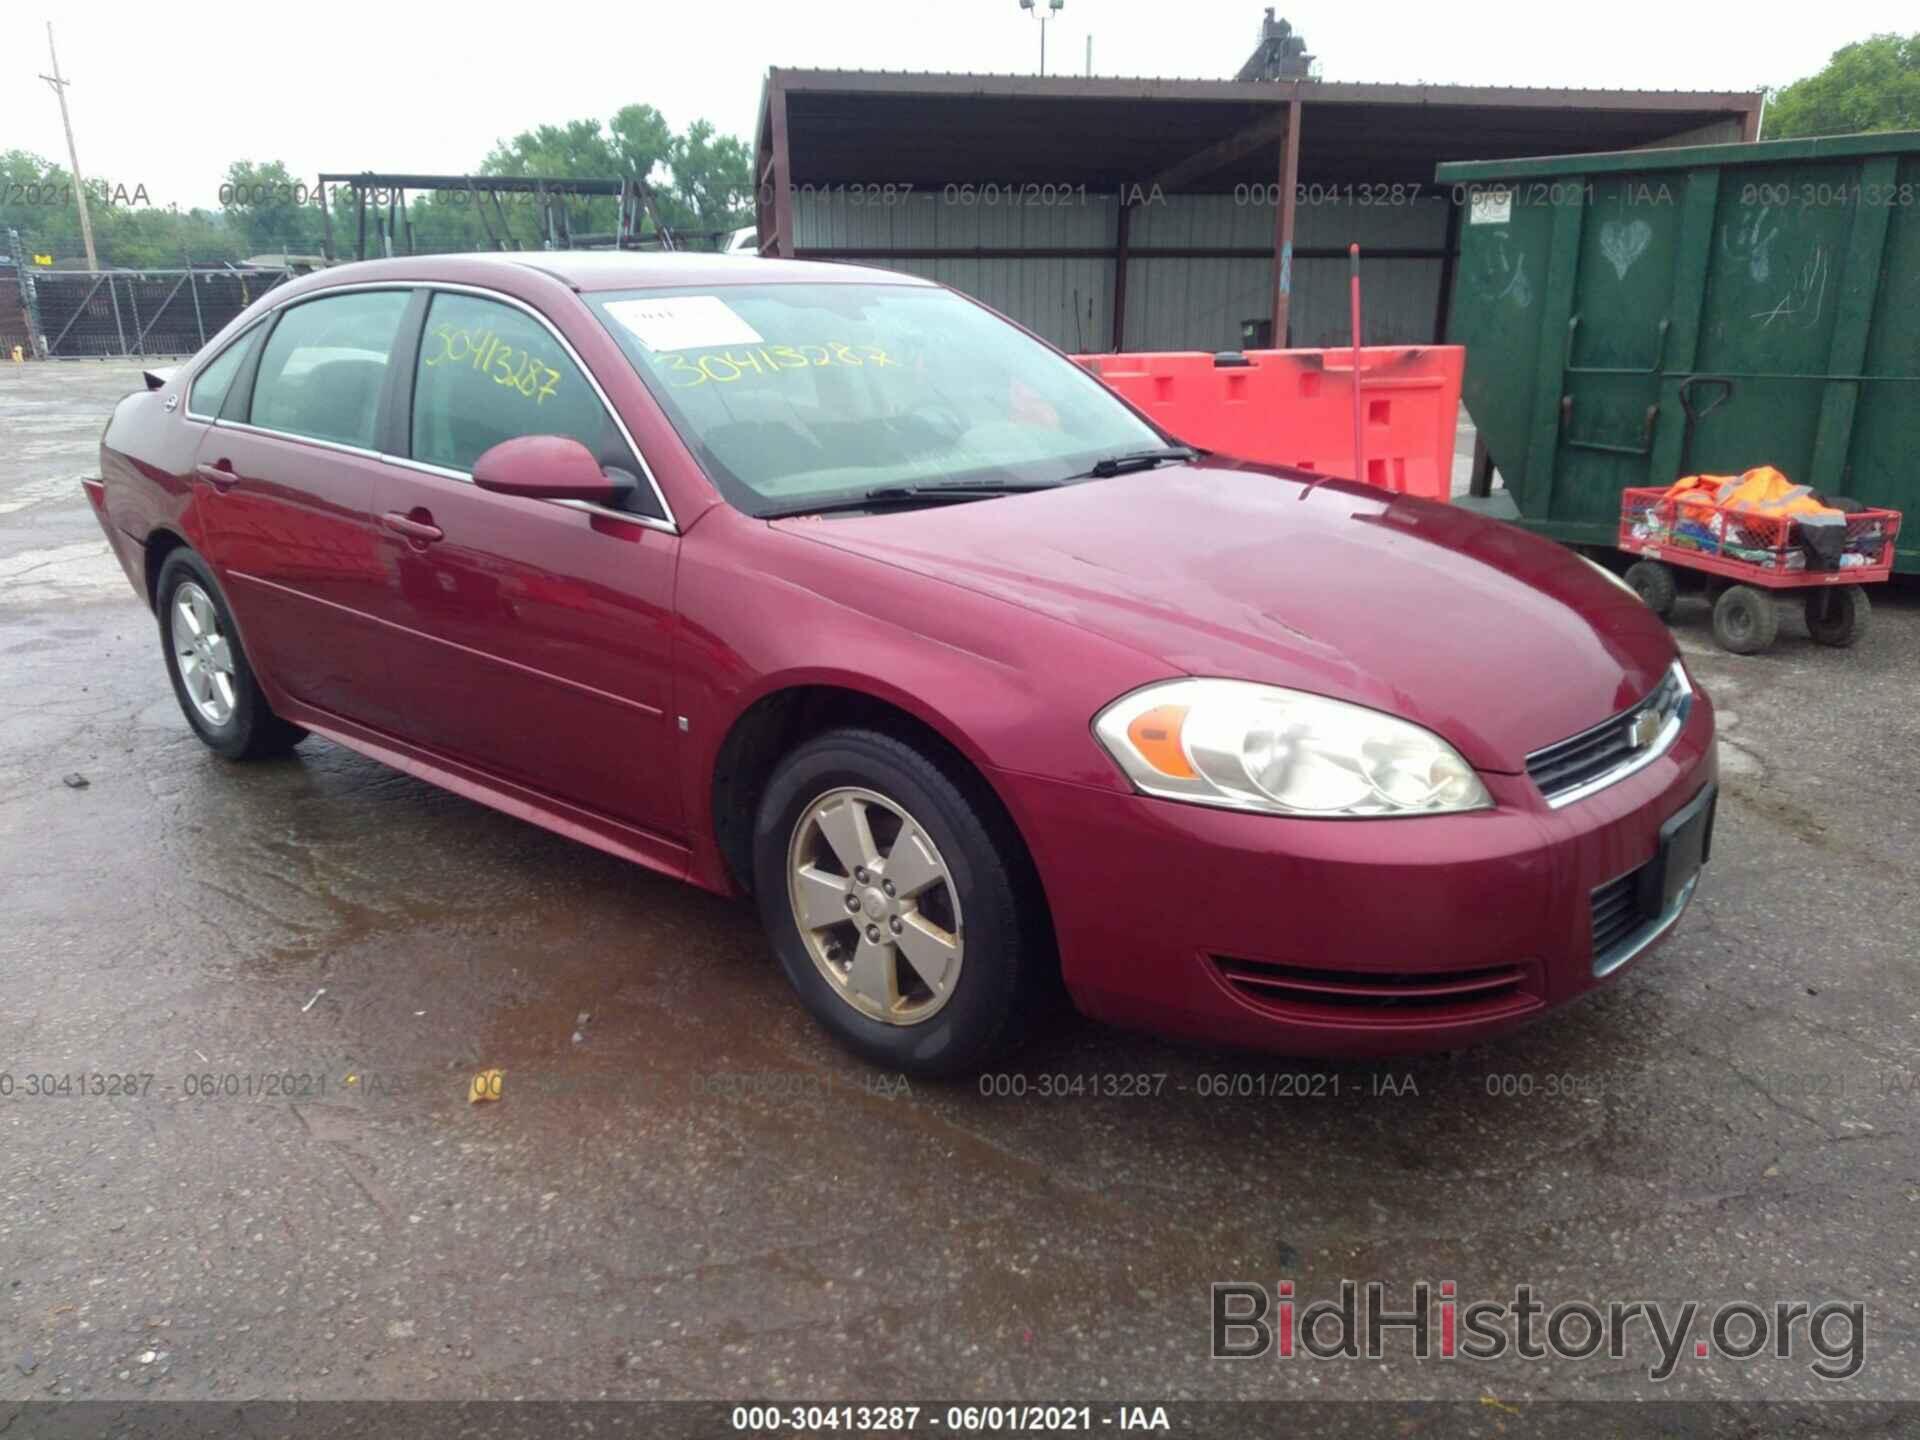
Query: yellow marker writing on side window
x,y
487,353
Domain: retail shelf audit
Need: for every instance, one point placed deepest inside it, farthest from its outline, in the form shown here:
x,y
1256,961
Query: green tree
x,y
129,230
701,183
712,179
36,199
642,142
1873,84
151,237
445,221
270,209
578,150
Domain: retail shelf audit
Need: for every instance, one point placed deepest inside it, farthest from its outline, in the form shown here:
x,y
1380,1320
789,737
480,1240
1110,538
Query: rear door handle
x,y
421,530
221,477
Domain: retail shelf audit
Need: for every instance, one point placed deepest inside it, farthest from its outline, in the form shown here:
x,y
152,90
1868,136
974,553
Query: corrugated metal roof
x,y
1336,91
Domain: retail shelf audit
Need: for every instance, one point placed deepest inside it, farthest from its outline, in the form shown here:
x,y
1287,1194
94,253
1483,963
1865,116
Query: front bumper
x,y
1346,937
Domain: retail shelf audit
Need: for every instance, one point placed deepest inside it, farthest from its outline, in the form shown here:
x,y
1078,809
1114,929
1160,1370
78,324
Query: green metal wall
x,y
1776,286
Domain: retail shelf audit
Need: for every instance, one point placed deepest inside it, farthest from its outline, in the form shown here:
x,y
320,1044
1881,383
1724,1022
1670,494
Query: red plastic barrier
x,y
1295,407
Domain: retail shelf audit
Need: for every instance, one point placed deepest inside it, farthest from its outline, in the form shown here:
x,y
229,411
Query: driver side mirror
x,y
550,467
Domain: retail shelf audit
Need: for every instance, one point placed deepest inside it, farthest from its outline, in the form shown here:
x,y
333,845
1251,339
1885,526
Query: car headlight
x,y
1258,747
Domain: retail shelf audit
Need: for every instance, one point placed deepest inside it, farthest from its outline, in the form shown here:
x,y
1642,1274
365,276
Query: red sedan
x,y
831,587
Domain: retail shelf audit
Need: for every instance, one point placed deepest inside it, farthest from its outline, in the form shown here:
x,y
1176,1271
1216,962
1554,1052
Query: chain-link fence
x,y
65,314
13,320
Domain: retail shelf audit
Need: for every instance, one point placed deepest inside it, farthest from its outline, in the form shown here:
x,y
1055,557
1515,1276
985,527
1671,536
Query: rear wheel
x,y
1838,615
1654,583
1744,620
891,896
211,678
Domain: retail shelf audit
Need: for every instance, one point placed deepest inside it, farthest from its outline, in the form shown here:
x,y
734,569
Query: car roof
x,y
624,269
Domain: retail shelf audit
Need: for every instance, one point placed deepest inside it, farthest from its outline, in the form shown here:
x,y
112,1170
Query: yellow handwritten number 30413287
x,y
724,367
489,354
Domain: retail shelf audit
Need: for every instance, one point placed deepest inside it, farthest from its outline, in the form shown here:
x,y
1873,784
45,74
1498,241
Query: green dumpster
x,y
1637,316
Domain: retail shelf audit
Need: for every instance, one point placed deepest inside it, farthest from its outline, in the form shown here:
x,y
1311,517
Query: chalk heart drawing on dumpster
x,y
1624,241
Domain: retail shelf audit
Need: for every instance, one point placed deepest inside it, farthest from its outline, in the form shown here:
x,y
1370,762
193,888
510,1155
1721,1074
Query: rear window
x,y
325,365
791,394
208,391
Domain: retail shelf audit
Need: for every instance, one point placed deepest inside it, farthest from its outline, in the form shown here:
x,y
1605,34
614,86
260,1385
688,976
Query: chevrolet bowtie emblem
x,y
1646,725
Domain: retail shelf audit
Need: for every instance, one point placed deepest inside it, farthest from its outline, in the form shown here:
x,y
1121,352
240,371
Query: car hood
x,y
1497,640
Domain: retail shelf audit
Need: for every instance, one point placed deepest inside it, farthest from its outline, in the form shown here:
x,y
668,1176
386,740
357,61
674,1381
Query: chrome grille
x,y
1612,750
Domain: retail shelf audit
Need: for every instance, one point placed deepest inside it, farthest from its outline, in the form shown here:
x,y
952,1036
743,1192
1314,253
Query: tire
x,y
1654,583
227,710
919,818
1838,616
1744,620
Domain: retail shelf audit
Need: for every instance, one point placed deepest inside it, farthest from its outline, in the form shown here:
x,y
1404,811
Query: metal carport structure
x,y
1124,208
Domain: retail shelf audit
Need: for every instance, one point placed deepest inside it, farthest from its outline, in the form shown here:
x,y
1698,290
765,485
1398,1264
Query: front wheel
x,y
1653,582
1744,620
893,898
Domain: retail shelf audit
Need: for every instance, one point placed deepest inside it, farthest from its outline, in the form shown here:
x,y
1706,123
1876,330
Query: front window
x,y
488,372
795,395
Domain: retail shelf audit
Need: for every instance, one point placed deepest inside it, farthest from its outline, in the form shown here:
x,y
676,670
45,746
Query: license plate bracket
x,y
1686,843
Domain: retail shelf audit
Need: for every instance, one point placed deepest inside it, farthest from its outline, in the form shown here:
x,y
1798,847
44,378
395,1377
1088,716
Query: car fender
x,y
1008,689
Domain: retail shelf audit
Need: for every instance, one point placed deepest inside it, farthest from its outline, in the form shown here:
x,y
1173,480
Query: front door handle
x,y
221,477
423,532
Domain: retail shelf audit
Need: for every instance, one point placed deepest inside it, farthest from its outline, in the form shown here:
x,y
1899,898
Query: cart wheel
x,y
1655,584
1744,620
1838,616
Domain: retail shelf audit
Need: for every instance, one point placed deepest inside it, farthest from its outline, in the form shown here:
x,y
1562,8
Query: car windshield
x,y
797,396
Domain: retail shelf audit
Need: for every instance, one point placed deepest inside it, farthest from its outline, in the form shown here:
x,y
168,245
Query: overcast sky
x,y
166,97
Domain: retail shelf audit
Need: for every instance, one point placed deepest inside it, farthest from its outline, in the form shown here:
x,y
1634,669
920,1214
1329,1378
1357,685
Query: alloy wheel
x,y
203,653
875,905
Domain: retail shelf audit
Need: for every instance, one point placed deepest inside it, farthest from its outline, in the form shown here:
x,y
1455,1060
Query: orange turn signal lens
x,y
1155,735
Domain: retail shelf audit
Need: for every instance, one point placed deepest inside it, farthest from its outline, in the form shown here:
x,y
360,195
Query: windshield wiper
x,y
1140,460
882,495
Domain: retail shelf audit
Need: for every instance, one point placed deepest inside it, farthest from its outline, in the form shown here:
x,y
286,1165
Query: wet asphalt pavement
x,y
685,1191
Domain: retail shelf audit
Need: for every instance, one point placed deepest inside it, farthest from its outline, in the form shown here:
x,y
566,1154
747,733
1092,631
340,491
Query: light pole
x,y
1053,7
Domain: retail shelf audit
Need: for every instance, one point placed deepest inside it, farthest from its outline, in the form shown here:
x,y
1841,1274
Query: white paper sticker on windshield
x,y
683,322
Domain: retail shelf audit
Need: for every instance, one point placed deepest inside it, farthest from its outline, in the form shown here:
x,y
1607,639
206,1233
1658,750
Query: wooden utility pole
x,y
1283,222
73,156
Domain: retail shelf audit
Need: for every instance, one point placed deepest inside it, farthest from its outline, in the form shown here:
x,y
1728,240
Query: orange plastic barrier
x,y
1295,407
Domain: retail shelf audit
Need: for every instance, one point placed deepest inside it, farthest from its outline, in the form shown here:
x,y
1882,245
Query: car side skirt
x,y
625,841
